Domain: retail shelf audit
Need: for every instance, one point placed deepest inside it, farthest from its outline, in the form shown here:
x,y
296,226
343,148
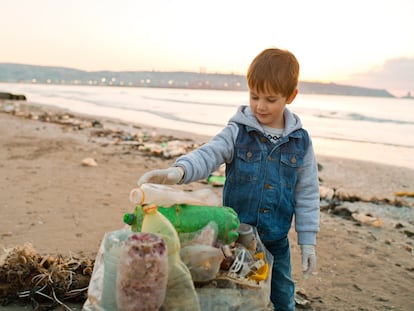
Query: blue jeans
x,y
283,288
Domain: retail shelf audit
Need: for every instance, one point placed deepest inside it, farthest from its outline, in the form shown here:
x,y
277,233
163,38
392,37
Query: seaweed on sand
x,y
44,281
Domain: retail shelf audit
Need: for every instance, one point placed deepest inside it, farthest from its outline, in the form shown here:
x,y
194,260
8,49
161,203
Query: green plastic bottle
x,y
216,181
191,218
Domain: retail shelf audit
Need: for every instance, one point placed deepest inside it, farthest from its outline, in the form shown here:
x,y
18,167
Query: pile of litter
x,y
42,281
137,139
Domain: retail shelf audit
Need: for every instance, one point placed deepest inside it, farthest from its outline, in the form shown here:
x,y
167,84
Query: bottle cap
x,y
129,218
246,235
245,229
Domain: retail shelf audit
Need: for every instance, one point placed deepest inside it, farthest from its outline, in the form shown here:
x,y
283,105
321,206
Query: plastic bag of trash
x,y
118,282
243,283
226,277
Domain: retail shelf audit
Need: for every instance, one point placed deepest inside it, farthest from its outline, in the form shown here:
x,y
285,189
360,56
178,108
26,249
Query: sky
x,y
368,42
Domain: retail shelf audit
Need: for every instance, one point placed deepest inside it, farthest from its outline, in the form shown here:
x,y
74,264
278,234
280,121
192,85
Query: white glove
x,y
168,176
308,259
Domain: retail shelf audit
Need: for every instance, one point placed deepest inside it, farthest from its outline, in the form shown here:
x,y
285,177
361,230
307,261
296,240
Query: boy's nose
x,y
260,105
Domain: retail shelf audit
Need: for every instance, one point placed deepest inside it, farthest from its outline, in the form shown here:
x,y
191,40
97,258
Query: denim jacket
x,y
266,183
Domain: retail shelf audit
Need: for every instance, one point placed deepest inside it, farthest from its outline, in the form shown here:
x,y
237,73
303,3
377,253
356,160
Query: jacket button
x,y
268,186
293,160
263,139
249,154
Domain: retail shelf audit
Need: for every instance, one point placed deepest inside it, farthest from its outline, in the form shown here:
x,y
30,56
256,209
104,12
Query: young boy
x,y
271,170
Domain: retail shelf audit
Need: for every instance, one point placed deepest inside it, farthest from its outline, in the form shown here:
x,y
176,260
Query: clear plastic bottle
x,y
167,196
113,243
181,293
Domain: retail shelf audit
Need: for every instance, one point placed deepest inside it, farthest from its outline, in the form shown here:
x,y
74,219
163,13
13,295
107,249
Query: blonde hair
x,y
274,70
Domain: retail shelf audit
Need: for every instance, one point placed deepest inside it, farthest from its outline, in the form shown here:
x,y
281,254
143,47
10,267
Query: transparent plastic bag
x,y
205,236
203,261
117,269
245,285
197,252
102,285
242,285
93,302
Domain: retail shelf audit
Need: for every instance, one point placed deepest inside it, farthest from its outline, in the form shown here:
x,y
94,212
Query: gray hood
x,y
245,116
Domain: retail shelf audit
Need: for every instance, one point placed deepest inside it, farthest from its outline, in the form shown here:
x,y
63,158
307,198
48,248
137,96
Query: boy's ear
x,y
292,96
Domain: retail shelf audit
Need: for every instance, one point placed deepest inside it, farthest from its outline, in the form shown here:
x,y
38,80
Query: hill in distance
x,y
20,73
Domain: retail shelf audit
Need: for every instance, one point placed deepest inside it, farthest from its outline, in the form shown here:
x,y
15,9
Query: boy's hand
x,y
308,259
169,176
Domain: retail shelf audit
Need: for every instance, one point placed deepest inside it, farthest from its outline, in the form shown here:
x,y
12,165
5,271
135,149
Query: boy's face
x,y
268,108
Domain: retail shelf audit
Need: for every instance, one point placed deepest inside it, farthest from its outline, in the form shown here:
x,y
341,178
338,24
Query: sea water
x,y
373,129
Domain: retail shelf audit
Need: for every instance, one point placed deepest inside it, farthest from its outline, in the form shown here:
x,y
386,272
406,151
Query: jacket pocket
x,y
289,164
247,165
292,160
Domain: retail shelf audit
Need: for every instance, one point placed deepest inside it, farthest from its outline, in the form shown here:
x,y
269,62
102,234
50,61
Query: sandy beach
x,y
50,199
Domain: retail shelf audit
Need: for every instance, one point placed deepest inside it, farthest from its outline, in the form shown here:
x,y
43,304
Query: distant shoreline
x,y
22,73
306,91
